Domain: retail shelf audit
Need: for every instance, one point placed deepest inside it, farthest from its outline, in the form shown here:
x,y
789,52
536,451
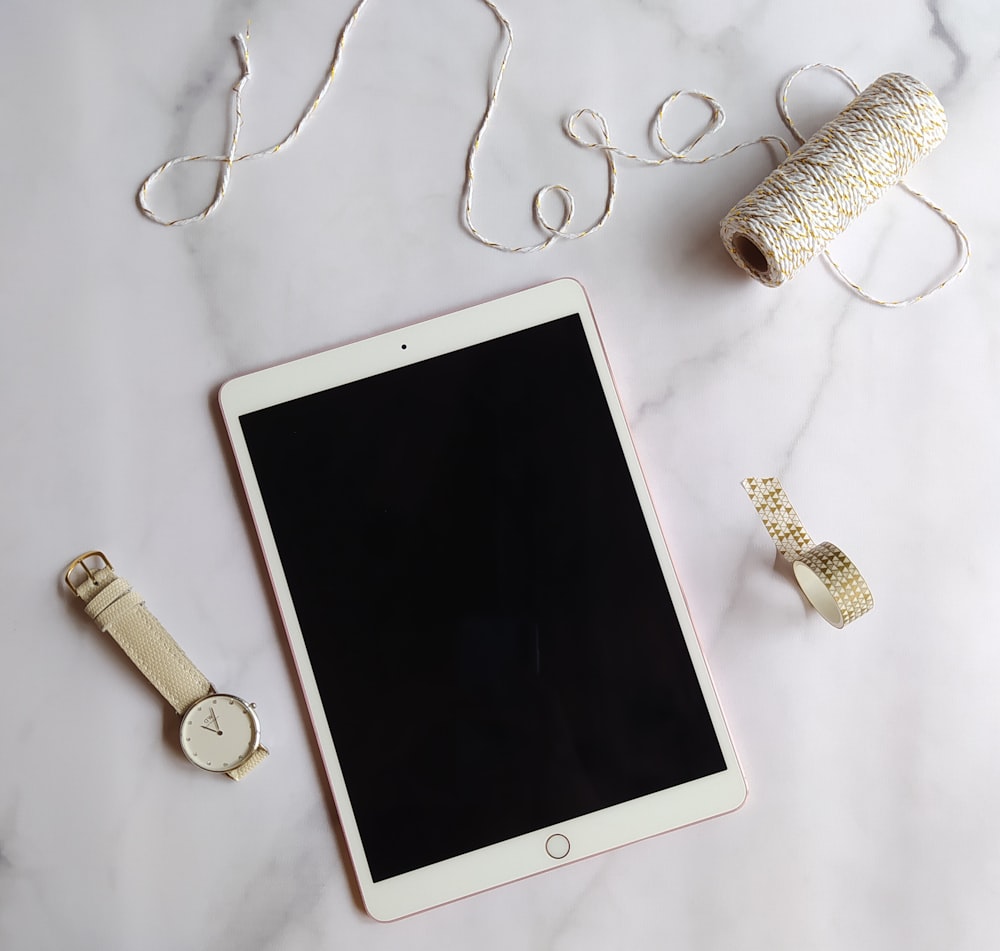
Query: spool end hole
x,y
751,255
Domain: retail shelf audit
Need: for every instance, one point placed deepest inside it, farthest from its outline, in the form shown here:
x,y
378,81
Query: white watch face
x,y
219,732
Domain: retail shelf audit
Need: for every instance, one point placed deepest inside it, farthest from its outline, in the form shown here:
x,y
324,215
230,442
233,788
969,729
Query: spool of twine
x,y
813,196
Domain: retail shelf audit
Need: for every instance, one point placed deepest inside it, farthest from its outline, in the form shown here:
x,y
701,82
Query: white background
x,y
870,752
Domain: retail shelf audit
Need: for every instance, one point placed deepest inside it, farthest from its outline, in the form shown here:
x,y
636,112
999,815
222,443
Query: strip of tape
x,y
827,577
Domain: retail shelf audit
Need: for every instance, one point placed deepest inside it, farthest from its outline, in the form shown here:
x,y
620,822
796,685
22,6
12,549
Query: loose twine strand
x,y
228,160
603,143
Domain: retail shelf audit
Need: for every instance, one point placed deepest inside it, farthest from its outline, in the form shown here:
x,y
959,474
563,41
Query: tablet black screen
x,y
484,612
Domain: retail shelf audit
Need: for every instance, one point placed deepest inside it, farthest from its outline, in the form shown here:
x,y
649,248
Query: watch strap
x,y
119,610
252,761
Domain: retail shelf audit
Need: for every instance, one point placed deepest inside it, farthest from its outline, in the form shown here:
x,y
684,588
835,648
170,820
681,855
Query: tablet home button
x,y
557,846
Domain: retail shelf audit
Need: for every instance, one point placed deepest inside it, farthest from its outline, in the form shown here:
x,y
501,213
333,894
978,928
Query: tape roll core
x,y
818,593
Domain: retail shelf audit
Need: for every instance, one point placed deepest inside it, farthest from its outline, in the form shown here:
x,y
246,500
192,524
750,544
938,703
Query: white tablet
x,y
493,646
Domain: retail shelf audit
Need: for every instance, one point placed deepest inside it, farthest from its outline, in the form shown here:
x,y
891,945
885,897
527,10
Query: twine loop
x,y
227,161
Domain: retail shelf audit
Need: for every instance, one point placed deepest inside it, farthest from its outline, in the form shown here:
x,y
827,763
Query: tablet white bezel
x,y
525,855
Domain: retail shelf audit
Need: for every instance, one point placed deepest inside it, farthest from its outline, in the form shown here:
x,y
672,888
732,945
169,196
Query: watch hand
x,y
210,730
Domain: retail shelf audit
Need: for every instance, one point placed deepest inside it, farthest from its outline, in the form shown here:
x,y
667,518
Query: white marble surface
x,y
871,753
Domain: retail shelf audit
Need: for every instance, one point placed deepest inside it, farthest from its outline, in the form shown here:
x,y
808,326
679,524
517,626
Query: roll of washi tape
x,y
813,196
827,577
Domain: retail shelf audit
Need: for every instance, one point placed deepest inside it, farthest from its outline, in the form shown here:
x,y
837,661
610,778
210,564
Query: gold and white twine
x,y
807,200
813,196
603,144
827,577
231,158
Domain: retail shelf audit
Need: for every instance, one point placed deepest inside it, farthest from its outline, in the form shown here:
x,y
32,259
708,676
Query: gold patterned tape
x,y
827,577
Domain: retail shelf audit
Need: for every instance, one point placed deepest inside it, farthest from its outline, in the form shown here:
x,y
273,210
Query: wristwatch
x,y
219,732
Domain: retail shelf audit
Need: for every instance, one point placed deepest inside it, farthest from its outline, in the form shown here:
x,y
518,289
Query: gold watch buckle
x,y
81,562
